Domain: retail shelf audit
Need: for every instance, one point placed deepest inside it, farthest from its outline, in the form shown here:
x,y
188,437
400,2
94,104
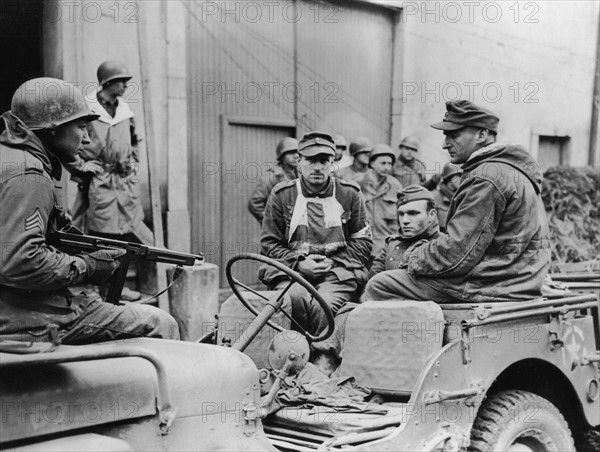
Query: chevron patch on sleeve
x,y
34,221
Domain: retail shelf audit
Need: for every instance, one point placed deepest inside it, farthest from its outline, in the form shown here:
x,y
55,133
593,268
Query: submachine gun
x,y
72,238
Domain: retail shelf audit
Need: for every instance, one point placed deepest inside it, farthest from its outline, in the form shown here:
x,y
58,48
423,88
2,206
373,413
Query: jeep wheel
x,y
520,421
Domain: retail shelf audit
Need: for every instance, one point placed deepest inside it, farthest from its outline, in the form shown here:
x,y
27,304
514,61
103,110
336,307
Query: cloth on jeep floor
x,y
312,388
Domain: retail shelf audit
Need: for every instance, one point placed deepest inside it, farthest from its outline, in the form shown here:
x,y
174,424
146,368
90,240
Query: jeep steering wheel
x,y
295,277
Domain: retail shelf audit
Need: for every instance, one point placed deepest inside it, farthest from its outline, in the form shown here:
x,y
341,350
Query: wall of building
x,y
530,62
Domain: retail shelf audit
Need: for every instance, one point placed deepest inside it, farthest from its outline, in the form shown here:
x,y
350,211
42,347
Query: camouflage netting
x,y
572,200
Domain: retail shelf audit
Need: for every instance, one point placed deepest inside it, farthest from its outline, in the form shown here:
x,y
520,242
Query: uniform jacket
x,y
113,197
258,199
390,257
349,173
32,272
409,173
381,207
349,262
497,243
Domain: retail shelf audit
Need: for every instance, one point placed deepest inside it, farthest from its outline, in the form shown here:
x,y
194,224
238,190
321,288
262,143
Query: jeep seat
x,y
388,343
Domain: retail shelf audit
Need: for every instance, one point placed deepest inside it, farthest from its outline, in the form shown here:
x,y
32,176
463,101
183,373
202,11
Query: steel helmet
x,y
410,142
382,149
340,141
46,103
111,70
361,144
288,144
449,170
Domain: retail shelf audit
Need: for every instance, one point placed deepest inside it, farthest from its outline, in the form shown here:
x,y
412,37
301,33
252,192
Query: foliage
x,y
572,200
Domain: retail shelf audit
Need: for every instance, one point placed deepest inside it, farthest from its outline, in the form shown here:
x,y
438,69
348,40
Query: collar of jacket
x,y
512,155
325,192
371,181
17,135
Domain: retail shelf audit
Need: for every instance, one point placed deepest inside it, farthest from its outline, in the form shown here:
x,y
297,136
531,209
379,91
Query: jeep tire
x,y
520,421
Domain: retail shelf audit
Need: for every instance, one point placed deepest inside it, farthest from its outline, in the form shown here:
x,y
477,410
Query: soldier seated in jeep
x,y
496,247
41,132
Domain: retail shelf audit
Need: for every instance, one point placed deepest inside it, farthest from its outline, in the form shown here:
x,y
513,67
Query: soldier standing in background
x,y
442,195
287,161
380,191
359,150
108,202
341,159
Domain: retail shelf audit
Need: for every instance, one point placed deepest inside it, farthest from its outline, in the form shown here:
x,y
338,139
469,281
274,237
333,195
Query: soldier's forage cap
x,y
450,169
340,141
414,193
410,143
286,145
462,113
382,149
361,144
315,143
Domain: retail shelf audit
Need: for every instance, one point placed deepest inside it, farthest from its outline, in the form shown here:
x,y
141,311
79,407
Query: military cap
x,y
414,193
340,141
361,144
315,143
382,149
462,113
288,144
449,170
409,142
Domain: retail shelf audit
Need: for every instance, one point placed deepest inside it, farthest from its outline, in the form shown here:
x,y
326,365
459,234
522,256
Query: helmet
x,y
288,144
340,141
382,149
46,103
450,169
361,144
111,70
410,142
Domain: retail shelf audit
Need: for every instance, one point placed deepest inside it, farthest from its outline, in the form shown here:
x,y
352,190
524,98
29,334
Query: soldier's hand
x,y
314,269
101,265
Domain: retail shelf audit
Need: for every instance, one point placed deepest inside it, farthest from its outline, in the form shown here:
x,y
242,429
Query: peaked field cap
x,y
360,144
414,193
462,113
410,142
315,143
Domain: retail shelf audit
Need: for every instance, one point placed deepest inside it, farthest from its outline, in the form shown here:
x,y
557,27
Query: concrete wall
x,y
531,62
80,35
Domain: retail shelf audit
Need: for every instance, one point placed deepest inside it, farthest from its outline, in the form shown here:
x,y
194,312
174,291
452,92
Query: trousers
x,y
87,320
399,285
309,314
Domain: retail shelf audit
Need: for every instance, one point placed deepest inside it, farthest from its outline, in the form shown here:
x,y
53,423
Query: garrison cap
x,y
382,149
361,144
462,113
315,143
414,193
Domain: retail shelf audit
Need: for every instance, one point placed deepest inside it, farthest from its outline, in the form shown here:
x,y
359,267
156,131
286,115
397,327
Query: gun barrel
x,y
151,253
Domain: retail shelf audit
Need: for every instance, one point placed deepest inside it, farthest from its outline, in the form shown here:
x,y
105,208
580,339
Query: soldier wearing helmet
x,y
45,127
108,203
380,190
409,170
287,160
446,188
341,159
359,150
